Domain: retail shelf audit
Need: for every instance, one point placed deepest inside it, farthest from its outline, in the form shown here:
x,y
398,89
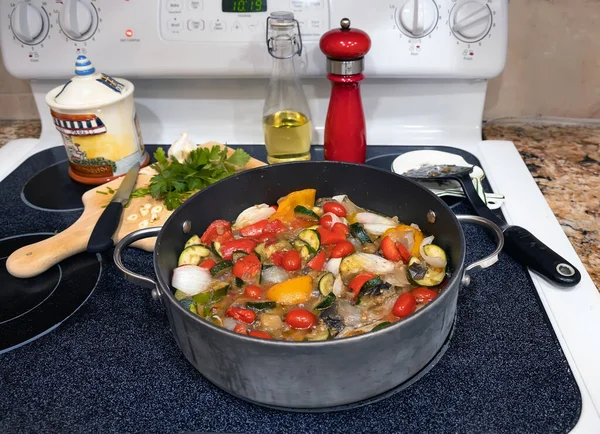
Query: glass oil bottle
x,y
286,117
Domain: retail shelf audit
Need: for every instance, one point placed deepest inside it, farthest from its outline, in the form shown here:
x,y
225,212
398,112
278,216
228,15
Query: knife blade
x,y
106,226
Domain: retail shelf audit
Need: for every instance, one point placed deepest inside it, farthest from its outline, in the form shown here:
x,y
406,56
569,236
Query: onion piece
x,y
398,277
338,286
377,229
191,279
275,274
372,218
373,263
351,314
333,266
339,198
229,323
431,260
334,219
252,215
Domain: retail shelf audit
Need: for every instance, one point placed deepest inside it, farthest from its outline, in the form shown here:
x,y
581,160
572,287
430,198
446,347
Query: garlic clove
x,y
132,217
143,224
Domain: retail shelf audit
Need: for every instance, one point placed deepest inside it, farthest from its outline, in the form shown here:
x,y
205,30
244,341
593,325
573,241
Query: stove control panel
x,y
40,39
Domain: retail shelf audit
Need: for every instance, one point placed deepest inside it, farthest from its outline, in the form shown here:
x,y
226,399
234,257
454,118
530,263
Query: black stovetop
x,y
113,366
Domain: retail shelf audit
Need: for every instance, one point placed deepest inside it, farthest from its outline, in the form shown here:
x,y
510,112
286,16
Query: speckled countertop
x,y
563,159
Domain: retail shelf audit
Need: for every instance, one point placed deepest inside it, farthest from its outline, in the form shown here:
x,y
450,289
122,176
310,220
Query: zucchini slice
x,y
221,268
305,213
358,232
180,295
216,246
311,238
320,333
195,240
239,282
265,251
303,249
219,291
192,255
326,284
261,305
421,274
238,255
381,325
326,302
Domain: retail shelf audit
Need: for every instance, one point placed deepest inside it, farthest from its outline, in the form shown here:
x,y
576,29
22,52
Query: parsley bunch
x,y
175,181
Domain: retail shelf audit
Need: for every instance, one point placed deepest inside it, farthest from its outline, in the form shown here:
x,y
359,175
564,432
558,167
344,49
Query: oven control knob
x,y
78,19
29,23
471,20
417,18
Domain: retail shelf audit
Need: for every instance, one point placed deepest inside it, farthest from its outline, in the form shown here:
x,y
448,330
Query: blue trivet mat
x,y
113,366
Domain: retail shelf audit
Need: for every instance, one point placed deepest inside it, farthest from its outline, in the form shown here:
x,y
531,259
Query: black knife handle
x,y
101,238
524,247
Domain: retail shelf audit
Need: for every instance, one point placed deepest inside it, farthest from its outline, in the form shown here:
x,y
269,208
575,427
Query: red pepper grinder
x,y
345,131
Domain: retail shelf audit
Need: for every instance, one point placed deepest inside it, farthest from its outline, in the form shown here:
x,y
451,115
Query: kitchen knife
x,y
101,238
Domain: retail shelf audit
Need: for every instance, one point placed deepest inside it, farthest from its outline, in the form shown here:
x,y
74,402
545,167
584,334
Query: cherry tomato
x,y
254,230
330,237
357,283
277,257
228,248
336,208
247,267
207,263
260,334
405,305
342,249
241,315
253,291
300,319
291,260
326,221
389,249
424,294
340,228
317,262
274,227
219,230
240,329
404,252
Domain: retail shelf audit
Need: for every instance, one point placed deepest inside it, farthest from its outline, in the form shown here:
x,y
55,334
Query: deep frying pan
x,y
311,375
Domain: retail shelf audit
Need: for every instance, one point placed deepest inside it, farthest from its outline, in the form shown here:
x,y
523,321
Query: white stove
x,y
201,69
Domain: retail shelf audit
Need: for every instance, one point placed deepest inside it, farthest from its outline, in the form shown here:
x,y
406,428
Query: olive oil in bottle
x,y
286,116
287,136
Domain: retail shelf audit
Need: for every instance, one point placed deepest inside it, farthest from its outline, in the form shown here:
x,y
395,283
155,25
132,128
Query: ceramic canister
x,y
95,115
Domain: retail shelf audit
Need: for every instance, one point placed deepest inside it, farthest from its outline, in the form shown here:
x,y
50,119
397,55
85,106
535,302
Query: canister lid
x,y
88,88
345,43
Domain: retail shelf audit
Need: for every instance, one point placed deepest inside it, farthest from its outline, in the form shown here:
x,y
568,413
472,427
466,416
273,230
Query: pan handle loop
x,y
489,260
138,279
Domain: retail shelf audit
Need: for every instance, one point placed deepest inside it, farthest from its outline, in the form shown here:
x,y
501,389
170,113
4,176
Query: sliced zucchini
x,y
326,284
216,246
188,304
435,251
180,295
192,255
422,275
326,302
311,238
219,291
239,282
358,232
381,325
238,255
221,268
305,213
261,305
265,251
195,240
320,333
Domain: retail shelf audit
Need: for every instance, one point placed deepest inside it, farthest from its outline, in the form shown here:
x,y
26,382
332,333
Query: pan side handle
x,y
138,279
492,258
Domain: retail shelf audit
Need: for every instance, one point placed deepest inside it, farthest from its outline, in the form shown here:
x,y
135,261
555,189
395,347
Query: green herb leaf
x,y
239,158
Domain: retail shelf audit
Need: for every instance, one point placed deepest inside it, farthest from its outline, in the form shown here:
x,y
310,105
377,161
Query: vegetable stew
x,y
309,269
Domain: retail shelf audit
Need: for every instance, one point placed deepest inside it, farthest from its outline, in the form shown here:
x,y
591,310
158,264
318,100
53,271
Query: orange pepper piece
x,y
286,205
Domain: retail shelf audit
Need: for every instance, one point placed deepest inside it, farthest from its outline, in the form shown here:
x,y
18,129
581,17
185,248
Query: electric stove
x,y
522,356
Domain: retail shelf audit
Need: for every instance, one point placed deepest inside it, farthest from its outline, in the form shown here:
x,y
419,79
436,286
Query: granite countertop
x,y
563,159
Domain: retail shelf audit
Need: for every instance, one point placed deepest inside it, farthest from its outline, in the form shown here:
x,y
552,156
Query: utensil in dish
x,y
101,238
519,242
311,375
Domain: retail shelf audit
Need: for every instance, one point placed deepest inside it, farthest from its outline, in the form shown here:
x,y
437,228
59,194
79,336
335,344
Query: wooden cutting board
x,y
32,260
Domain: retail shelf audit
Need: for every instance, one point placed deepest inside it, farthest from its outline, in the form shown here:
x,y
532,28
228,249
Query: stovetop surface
x,y
114,365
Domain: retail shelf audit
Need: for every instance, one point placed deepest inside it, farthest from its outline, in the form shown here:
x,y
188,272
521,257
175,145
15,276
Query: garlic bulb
x,y
181,147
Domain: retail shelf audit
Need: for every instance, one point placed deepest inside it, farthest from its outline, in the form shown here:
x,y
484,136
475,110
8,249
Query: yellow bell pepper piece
x,y
418,235
293,291
286,205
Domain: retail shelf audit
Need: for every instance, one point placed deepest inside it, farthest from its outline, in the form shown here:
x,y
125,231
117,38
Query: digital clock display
x,y
244,6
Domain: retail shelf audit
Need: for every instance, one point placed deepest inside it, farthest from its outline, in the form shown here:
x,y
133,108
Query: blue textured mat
x,y
114,366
